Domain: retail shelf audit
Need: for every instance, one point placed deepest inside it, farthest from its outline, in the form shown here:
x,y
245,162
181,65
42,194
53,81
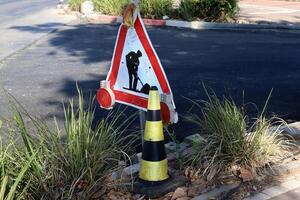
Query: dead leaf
x,y
212,174
247,174
196,190
99,193
179,192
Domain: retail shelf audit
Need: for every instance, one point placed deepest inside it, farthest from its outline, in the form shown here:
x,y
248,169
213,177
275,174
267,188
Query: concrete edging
x,y
292,129
292,181
196,25
276,190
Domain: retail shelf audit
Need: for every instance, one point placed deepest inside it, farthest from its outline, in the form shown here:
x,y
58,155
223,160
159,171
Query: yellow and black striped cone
x,y
154,164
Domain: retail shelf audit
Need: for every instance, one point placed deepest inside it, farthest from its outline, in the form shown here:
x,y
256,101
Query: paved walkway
x,y
292,195
269,11
285,187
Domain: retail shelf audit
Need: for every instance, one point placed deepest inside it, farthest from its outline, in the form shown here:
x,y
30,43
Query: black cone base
x,y
151,190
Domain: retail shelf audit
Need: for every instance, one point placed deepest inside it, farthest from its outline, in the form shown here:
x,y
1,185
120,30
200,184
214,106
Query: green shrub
x,y
149,8
209,10
232,141
155,8
217,10
111,7
75,4
189,9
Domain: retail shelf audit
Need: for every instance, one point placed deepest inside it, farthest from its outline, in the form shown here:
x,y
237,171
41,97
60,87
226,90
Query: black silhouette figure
x,y
146,87
132,62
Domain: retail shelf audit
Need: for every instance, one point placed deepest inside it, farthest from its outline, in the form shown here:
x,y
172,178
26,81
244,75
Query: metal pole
x,y
142,115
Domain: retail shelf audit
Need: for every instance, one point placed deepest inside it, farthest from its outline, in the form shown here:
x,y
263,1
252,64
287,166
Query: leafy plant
x,y
75,4
12,170
110,7
12,192
155,8
68,163
209,10
189,9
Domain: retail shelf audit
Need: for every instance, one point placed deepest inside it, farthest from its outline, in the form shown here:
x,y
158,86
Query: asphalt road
x,y
243,65
39,17
11,10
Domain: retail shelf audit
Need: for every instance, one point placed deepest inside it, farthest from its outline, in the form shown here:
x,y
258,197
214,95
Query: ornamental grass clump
x,y
69,162
230,139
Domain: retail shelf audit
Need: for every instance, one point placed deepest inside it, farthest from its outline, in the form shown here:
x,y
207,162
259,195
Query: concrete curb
x,y
196,25
291,182
292,129
215,192
276,190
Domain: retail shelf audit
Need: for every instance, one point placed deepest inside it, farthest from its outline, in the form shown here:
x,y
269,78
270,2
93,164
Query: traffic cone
x,y
154,164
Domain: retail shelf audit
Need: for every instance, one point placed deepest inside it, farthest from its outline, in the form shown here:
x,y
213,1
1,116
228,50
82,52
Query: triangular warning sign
x,y
135,68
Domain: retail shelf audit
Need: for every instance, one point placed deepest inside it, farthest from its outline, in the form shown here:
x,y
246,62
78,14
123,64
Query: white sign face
x,y
136,74
136,68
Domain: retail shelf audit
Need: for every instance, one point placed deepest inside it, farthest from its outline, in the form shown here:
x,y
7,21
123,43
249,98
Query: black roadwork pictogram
x,y
132,63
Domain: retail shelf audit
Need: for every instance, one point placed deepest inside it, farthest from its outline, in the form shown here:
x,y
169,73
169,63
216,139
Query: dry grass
x,y
230,140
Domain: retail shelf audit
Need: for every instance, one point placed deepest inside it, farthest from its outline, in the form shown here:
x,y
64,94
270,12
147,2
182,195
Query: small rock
x,y
196,190
132,169
121,163
166,17
179,192
172,147
115,175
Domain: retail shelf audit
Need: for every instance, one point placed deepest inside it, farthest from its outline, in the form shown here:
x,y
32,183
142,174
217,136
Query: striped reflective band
x,y
154,151
153,115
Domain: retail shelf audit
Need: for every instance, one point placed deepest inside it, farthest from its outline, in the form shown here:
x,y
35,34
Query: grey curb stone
x,y
227,26
292,129
276,190
171,147
269,192
198,25
215,192
260,196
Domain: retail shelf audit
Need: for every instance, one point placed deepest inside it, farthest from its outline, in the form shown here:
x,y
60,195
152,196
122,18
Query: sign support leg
x,y
142,115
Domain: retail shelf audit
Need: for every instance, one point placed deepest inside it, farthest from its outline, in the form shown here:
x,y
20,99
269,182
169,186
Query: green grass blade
x,y
3,187
19,178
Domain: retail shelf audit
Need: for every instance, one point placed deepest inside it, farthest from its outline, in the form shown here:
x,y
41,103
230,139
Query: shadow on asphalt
x,y
39,28
242,65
